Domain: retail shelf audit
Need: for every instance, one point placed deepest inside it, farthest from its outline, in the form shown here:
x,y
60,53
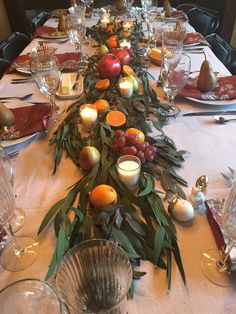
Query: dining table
x,y
211,148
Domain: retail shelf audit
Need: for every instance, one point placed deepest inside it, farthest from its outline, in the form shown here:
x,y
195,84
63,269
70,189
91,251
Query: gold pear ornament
x,y
62,25
206,81
167,8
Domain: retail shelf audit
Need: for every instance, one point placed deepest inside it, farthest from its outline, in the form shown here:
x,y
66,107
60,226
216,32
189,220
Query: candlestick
x,y
126,88
124,43
128,168
88,115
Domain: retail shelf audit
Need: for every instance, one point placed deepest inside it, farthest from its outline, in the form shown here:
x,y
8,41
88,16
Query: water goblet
x,y
215,264
174,76
20,252
44,70
129,4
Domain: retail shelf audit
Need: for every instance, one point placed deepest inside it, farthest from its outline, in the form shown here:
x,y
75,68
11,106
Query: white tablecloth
x,y
212,148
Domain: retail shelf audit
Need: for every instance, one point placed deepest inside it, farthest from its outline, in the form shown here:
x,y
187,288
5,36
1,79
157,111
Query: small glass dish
x,y
94,277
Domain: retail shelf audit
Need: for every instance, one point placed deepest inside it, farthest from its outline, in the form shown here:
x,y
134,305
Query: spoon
x,y
223,120
17,97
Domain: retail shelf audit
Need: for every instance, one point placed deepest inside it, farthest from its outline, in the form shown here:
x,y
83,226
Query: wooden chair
x,y
203,21
13,45
4,64
224,51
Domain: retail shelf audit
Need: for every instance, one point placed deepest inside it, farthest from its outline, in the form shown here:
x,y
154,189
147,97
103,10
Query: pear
x,y
102,50
167,8
62,25
6,116
206,81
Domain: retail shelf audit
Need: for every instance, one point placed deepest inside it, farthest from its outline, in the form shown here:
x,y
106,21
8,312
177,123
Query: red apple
x,y
123,55
109,66
88,157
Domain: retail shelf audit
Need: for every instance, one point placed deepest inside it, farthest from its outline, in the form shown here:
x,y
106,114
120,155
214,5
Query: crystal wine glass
x,y
174,76
19,253
44,70
129,4
215,264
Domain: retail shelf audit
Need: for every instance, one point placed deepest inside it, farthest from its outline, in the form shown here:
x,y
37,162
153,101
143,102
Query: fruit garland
x,y
99,204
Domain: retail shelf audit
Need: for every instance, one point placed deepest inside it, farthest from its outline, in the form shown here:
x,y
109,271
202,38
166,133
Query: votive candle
x,y
124,43
104,20
88,115
128,168
126,88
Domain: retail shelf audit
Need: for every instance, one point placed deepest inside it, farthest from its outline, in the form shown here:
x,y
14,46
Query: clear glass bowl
x,y
29,296
95,277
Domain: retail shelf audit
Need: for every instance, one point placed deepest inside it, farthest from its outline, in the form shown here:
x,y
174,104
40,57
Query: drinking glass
x,y
174,75
129,4
98,276
30,296
215,264
19,253
44,70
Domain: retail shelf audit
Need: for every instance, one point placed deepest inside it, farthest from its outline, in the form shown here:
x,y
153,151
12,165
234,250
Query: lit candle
x,y
128,168
126,88
88,115
124,43
104,20
128,24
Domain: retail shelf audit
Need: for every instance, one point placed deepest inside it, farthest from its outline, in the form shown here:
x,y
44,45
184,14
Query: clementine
x,y
116,118
102,105
112,42
127,70
133,131
103,84
103,195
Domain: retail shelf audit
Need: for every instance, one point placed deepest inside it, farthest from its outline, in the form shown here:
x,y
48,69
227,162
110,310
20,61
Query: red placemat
x,y
29,120
45,30
193,38
224,90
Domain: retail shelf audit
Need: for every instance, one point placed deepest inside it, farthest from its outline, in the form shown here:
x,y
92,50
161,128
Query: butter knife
x,y
209,113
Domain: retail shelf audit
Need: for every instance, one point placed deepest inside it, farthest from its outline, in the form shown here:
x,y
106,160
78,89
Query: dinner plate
x,y
193,44
17,141
72,94
214,102
49,36
23,70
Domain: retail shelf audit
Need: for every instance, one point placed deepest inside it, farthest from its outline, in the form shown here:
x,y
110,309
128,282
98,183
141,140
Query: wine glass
x,y
215,264
44,70
19,253
129,4
174,75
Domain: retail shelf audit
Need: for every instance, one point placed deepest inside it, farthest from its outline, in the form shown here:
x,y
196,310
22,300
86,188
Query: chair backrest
x,y
4,64
13,45
38,21
188,6
224,51
203,21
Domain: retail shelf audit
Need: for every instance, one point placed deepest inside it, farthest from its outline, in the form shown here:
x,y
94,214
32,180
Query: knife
x,y
209,113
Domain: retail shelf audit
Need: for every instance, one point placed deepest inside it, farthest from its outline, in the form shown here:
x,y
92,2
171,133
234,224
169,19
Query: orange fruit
x,y
116,118
103,195
103,84
133,131
102,105
127,33
155,56
127,70
110,29
112,42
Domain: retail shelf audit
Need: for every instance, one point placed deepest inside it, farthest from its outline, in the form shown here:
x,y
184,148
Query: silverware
x,y
22,79
22,82
222,120
209,113
53,41
17,97
75,85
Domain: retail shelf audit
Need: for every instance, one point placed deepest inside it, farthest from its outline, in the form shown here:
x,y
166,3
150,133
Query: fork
x,y
209,96
17,97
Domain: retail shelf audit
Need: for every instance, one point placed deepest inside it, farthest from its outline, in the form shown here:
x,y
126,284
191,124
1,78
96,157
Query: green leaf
x,y
178,260
52,266
62,245
149,186
135,226
124,241
158,242
52,211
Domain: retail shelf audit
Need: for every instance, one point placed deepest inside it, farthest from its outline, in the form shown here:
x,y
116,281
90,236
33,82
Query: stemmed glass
x,y
19,253
215,266
44,70
129,4
175,72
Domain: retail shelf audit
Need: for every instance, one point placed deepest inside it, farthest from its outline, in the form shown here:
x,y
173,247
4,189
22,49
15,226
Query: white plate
x,y
18,140
73,94
195,44
23,70
214,102
48,36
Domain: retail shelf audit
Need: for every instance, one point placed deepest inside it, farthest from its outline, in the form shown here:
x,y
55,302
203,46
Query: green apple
x,y
102,50
88,157
135,82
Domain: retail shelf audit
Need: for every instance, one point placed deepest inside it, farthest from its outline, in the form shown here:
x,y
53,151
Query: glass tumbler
x,y
94,277
128,169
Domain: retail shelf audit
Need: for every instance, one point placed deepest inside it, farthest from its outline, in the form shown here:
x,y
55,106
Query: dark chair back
x,y
38,21
203,21
224,51
4,64
13,45
188,6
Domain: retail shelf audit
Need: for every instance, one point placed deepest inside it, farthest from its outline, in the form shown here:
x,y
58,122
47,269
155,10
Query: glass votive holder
x,y
124,43
128,169
126,88
89,115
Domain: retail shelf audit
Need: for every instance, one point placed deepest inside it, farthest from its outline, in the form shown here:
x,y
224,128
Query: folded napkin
x,y
30,120
47,30
67,61
224,90
213,213
193,38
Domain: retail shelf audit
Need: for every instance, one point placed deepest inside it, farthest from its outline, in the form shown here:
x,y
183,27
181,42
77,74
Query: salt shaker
x,y
197,197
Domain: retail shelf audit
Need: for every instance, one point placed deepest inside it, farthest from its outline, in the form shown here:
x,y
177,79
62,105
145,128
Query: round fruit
x,y
153,149
134,81
119,133
155,56
120,142
102,50
134,131
116,118
132,139
129,150
6,116
112,42
140,146
88,157
102,105
103,84
122,55
148,155
110,29
103,195
140,155
109,66
127,70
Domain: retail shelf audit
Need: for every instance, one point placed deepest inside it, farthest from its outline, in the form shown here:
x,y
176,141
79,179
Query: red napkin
x,y
45,30
31,119
224,90
67,61
193,38
179,15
